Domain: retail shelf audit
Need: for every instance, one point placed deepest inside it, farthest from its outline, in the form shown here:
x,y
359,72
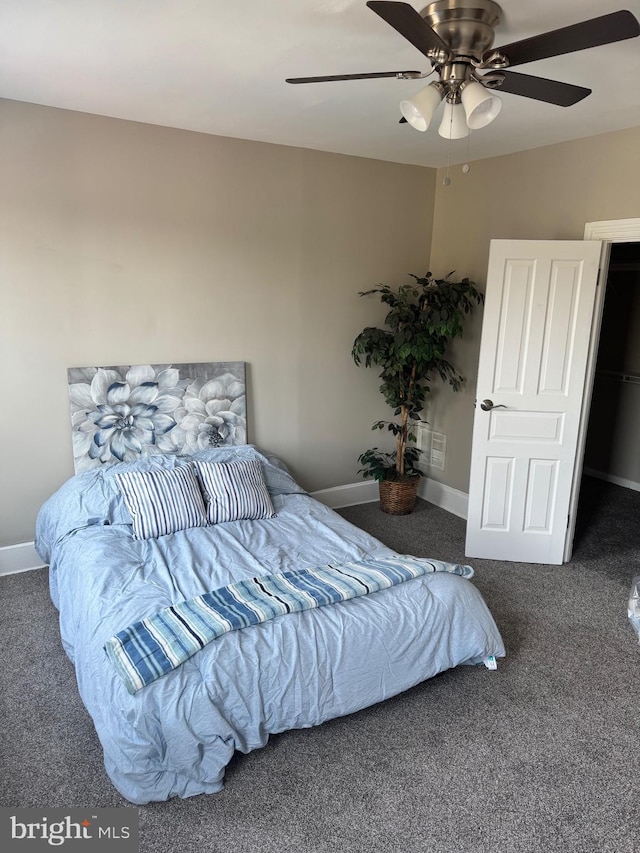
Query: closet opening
x,y
611,469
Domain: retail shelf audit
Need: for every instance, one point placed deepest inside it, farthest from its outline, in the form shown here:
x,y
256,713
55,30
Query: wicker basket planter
x,y
398,497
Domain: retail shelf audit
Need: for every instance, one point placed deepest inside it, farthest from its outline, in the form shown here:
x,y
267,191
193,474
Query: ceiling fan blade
x,y
541,89
369,76
410,24
606,29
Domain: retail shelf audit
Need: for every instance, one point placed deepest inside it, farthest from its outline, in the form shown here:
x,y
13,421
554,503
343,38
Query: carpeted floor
x,y
542,755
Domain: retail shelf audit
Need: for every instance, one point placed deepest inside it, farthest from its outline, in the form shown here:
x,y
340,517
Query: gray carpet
x,y
542,755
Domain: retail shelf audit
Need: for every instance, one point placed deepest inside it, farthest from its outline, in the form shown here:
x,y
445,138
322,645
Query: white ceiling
x,y
218,66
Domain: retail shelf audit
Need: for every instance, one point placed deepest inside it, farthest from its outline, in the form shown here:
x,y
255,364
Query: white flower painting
x,y
121,413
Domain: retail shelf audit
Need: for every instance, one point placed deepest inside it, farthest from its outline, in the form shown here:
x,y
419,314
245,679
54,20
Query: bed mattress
x,y
176,735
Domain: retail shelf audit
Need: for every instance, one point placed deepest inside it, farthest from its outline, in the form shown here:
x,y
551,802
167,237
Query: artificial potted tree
x,y
423,319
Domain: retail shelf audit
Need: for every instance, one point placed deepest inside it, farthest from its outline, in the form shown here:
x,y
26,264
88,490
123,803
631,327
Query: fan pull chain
x,y
465,166
447,179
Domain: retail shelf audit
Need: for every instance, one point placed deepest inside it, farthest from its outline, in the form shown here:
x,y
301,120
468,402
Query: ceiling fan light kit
x,y
456,36
420,109
481,107
454,122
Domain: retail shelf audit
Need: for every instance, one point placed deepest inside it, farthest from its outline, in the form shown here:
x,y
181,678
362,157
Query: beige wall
x,y
547,193
123,243
127,243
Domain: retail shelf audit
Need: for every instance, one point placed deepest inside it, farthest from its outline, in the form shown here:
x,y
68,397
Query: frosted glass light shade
x,y
480,105
454,122
419,110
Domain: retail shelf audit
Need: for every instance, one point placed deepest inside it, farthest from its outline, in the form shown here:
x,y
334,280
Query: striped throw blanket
x,y
158,644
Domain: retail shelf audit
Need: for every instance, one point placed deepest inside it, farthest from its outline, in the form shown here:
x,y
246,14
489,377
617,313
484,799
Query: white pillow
x,y
162,501
234,490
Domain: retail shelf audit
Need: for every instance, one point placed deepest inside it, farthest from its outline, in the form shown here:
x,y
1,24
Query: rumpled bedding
x,y
176,736
152,647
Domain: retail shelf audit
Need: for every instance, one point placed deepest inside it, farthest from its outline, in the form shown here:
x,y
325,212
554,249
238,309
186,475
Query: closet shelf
x,y
620,376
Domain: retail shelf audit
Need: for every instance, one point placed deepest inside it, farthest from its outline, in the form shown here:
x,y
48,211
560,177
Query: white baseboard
x,y
19,558
350,495
446,497
611,478
436,493
24,557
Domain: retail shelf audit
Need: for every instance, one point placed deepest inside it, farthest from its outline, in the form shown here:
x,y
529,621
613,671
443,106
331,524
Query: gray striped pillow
x,y
234,490
162,501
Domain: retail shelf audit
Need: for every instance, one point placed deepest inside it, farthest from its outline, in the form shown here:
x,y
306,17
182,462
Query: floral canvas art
x,y
121,413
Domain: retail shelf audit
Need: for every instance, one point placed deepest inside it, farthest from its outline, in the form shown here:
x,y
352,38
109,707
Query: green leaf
x,y
423,318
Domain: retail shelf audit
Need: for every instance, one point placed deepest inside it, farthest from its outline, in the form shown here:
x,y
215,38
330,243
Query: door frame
x,y
608,231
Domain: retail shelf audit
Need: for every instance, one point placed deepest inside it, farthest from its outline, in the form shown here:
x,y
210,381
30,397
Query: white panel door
x,y
538,312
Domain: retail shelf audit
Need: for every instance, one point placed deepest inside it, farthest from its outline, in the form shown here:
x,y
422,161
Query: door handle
x,y
487,405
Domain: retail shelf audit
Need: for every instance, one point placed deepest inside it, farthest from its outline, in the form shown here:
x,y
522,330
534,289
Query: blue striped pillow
x,y
234,490
162,501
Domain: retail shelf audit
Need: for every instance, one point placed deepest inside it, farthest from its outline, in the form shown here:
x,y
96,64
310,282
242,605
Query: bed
x,y
175,735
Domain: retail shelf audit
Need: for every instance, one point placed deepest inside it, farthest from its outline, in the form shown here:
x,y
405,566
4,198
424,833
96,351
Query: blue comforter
x,y
176,736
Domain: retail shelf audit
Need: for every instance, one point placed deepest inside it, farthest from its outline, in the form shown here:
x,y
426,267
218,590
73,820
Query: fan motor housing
x,y
466,26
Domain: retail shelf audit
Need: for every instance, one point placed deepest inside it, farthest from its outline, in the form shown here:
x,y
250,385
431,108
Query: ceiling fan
x,y
457,36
